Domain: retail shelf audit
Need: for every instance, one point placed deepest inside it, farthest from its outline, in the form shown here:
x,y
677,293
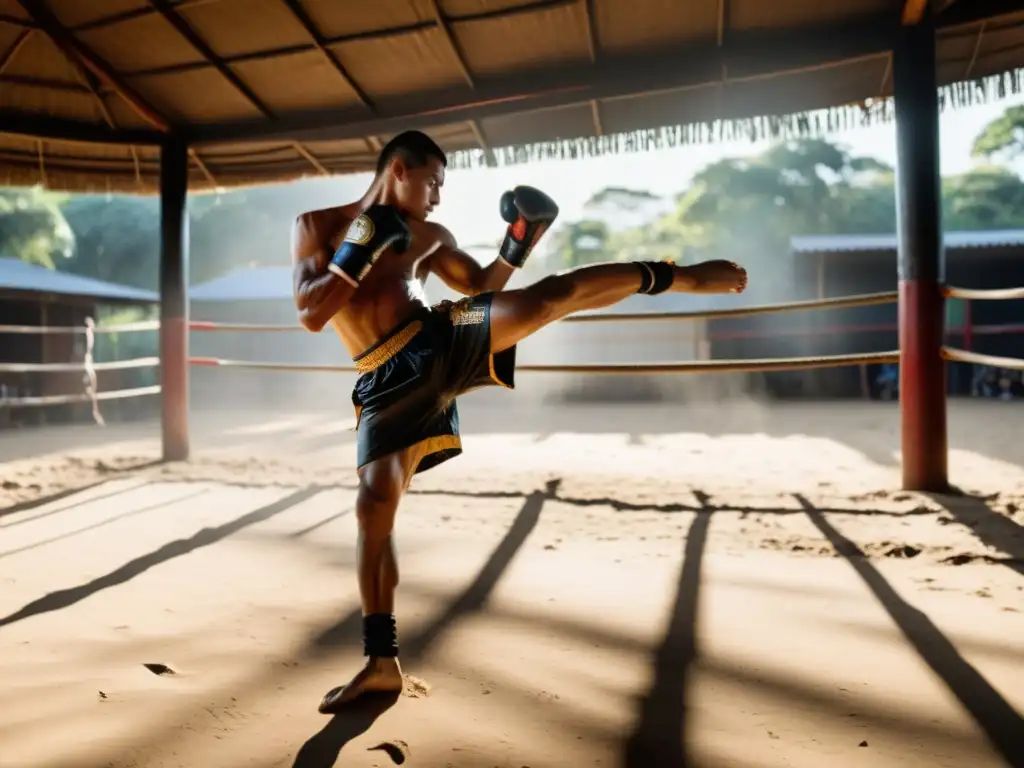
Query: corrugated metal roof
x,y
996,238
16,275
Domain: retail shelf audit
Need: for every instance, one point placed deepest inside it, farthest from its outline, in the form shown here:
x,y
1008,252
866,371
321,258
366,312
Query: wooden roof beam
x,y
460,57
310,158
201,47
34,125
913,12
295,6
44,82
952,14
751,55
478,134
592,49
203,168
93,86
137,13
393,32
976,50
79,52
119,17
453,43
10,53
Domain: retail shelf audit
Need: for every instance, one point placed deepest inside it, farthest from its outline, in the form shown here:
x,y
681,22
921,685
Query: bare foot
x,y
718,276
379,675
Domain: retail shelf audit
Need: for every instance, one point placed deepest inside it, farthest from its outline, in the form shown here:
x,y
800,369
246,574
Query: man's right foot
x,y
379,675
717,276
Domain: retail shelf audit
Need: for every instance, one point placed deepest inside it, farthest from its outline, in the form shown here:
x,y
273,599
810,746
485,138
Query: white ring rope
x,y
149,325
210,325
697,366
963,356
115,365
979,294
841,302
116,394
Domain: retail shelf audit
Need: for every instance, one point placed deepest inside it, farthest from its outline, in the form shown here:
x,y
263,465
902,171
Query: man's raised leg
x,y
519,313
381,484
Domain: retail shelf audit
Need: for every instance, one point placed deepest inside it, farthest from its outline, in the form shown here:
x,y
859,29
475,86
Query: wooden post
x,y
920,261
174,299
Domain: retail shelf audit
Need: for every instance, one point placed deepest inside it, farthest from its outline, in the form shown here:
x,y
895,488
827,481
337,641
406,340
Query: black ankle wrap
x,y
655,276
380,635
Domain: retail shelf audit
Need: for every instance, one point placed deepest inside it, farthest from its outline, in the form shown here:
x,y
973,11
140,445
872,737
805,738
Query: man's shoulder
x,y
432,234
336,214
326,224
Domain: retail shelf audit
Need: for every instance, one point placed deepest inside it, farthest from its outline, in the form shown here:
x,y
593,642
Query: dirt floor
x,y
733,584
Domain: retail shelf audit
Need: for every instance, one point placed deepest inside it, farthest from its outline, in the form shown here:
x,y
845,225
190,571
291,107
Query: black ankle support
x,y
380,635
655,276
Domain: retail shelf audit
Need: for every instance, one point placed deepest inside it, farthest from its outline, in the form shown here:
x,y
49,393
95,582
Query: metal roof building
x,y
996,238
30,280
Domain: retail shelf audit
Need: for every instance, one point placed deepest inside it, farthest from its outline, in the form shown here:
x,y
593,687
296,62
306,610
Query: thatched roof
x,y
267,90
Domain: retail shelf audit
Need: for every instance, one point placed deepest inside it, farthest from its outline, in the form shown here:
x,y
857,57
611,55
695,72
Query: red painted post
x,y
921,262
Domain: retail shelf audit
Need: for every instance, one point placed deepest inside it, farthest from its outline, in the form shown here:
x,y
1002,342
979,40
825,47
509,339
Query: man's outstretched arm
x,y
319,293
461,272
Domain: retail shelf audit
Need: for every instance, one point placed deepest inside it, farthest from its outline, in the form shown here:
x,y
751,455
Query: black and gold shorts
x,y
405,397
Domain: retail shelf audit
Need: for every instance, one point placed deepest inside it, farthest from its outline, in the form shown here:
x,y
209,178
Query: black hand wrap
x,y
380,635
655,276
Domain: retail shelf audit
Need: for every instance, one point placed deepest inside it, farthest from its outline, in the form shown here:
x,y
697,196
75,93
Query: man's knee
x,y
551,296
380,488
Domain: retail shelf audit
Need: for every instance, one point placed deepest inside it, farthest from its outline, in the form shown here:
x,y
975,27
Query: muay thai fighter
x,y
361,267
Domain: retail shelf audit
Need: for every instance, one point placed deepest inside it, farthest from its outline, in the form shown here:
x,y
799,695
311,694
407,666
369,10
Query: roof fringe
x,y
800,125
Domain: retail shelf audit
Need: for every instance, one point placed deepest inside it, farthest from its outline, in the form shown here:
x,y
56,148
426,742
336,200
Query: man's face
x,y
419,189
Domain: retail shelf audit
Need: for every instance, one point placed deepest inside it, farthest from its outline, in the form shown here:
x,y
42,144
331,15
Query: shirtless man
x,y
361,268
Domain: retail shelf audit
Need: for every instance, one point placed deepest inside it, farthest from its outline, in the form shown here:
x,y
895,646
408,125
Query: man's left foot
x,y
380,675
717,276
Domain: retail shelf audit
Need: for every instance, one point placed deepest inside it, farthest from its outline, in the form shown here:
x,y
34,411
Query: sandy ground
x,y
732,584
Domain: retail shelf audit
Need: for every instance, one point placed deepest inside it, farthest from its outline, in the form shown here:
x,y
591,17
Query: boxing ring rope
x,y
149,325
841,302
987,294
91,368
115,394
976,358
701,366
116,365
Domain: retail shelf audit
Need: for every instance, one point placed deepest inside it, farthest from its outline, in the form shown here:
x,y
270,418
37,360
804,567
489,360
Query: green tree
x,y
118,238
32,227
1003,138
983,198
580,242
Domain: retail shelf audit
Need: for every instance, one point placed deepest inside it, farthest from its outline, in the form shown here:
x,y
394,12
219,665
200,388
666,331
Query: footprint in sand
x,y
415,688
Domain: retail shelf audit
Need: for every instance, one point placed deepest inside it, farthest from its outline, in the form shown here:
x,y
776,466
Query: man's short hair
x,y
414,148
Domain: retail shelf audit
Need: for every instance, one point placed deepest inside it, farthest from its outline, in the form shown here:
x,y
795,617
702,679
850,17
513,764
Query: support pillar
x,y
920,261
174,299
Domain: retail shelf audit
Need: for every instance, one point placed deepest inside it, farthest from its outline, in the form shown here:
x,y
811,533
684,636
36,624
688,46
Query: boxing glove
x,y
366,238
529,213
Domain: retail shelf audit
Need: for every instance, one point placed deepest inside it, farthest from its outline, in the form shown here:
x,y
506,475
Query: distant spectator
x,y
888,381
